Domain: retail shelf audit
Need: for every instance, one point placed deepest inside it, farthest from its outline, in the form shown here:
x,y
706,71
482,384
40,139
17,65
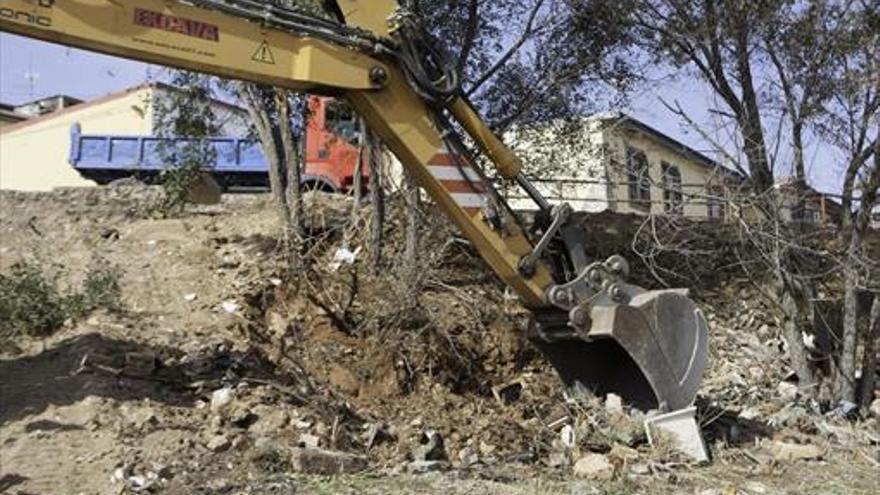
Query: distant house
x,y
34,151
818,208
13,114
618,163
9,116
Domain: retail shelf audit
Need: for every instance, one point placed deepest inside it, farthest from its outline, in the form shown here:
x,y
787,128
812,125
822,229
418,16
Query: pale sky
x,y
31,69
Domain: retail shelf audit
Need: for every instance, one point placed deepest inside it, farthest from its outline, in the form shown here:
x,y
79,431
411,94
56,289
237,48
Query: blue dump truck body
x,y
105,158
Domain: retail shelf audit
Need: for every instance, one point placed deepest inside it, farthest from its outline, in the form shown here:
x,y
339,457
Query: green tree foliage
x,y
185,112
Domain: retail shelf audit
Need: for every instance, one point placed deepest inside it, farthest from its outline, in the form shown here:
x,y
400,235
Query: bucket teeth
x,y
651,352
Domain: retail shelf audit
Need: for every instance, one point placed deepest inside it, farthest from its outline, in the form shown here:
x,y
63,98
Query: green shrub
x,y
32,304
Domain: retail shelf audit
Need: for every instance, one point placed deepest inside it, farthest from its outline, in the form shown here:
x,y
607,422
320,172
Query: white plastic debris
x,y
809,341
568,437
190,297
344,256
230,306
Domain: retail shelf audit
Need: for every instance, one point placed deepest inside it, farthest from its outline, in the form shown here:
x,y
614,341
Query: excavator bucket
x,y
651,352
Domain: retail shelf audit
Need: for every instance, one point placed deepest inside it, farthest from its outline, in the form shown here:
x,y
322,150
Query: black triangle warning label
x,y
264,54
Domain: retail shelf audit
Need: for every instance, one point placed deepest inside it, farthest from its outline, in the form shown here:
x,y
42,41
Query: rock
x,y
270,420
640,469
614,404
558,459
468,457
875,408
344,381
487,449
139,364
218,443
782,451
325,462
789,416
750,414
309,441
756,487
594,467
623,455
143,419
431,448
787,392
221,400
423,467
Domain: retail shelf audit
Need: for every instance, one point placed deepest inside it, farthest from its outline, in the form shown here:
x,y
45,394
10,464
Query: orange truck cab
x,y
332,147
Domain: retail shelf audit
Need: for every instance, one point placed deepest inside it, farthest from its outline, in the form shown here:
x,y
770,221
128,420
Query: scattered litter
x,y
230,307
614,404
431,447
568,437
846,410
190,297
344,256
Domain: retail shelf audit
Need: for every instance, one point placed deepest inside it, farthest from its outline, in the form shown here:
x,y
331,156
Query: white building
x,y
615,162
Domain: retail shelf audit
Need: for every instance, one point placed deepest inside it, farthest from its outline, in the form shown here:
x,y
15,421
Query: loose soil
x,y
349,360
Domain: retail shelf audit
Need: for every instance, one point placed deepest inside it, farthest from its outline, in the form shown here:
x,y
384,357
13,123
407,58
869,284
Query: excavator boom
x,y
376,55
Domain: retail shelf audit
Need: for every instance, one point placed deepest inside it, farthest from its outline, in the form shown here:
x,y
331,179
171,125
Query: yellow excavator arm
x,y
597,331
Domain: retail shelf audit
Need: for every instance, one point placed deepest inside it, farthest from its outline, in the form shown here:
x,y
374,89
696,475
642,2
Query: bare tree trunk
x,y
357,185
411,253
259,115
869,363
800,362
293,158
378,199
845,381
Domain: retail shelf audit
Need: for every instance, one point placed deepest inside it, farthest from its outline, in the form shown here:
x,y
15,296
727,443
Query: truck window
x,y
342,120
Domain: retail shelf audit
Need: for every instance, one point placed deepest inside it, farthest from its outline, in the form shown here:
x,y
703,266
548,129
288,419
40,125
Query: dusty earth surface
x,y
219,374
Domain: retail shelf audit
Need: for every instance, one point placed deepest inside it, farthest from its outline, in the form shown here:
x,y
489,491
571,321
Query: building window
x,y
673,198
638,178
715,203
812,215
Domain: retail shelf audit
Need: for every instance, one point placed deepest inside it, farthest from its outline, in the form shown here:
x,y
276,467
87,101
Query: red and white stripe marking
x,y
463,183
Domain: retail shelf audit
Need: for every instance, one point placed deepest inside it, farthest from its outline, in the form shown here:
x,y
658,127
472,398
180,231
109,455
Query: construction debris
x,y
682,428
325,462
